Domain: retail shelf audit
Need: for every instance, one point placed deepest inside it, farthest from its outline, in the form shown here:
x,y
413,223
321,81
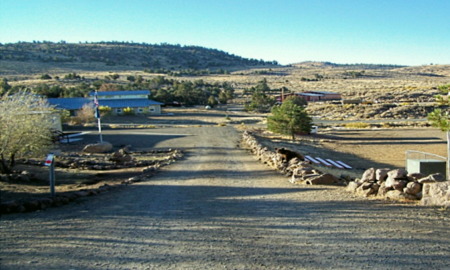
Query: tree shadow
x,y
170,225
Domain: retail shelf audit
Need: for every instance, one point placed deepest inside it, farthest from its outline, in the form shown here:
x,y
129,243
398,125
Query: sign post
x,y
97,115
50,161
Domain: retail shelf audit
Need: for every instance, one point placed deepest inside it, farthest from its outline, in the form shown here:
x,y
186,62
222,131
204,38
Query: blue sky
x,y
408,32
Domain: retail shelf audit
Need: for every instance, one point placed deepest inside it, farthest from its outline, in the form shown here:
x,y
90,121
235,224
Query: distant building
x,y
117,100
313,96
324,95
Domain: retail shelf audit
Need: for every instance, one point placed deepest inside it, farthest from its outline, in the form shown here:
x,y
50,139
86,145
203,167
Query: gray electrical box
x,y
426,166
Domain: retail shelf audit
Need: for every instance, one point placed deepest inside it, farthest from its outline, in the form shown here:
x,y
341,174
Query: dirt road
x,y
219,208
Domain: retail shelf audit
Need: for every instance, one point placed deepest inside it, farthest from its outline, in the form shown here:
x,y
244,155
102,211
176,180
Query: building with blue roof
x,y
138,100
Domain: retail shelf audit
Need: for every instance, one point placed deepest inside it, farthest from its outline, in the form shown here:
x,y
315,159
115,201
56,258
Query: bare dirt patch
x,y
75,171
363,148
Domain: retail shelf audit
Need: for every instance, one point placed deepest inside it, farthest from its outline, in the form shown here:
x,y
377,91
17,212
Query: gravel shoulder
x,y
221,208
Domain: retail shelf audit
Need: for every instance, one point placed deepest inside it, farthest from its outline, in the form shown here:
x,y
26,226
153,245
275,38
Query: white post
x,y
100,129
97,115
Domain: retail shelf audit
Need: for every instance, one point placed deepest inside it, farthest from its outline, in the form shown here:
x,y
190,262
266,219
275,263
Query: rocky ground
x,y
77,174
221,208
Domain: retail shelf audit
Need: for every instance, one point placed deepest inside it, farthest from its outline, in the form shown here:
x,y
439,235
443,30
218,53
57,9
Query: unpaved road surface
x,y
219,208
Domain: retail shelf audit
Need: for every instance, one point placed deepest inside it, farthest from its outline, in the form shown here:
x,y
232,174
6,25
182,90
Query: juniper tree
x,y
25,128
440,118
289,118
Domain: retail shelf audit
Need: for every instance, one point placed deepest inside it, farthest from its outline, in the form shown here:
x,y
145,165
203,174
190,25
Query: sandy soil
x,y
365,148
221,208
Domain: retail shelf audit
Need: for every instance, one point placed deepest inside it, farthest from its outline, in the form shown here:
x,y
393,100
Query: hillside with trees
x,y
162,58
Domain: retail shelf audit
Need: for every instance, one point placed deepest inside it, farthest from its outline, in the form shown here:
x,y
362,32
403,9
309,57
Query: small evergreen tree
x,y
261,101
289,119
212,101
440,118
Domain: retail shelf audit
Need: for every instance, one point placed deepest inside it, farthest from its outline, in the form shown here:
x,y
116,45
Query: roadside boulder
x,y
381,174
398,195
436,194
352,186
102,147
368,175
412,188
121,156
323,179
367,189
415,176
394,177
432,178
382,190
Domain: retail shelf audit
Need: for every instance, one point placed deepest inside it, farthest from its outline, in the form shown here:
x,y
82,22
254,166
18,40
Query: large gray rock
x,y
436,194
381,174
368,175
415,176
324,179
367,189
394,176
432,178
352,186
121,156
98,147
382,190
412,188
399,195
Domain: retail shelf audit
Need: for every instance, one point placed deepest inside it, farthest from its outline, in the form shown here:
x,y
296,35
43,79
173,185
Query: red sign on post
x,y
49,160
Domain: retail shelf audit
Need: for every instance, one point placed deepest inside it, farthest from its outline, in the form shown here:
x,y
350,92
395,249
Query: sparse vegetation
x,y
440,118
25,128
289,118
261,100
357,125
163,58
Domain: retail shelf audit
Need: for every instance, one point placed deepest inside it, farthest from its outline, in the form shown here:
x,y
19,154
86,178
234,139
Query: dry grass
x,y
364,148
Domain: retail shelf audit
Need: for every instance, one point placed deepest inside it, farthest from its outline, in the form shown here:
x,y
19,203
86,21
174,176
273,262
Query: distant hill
x,y
31,57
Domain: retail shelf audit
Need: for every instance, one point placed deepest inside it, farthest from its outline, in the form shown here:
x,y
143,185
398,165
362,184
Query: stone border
x,y
400,185
431,190
31,205
300,170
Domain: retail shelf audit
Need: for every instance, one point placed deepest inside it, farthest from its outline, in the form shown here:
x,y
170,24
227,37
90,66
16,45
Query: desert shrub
x,y
357,125
146,126
105,110
25,128
65,116
86,114
74,121
128,111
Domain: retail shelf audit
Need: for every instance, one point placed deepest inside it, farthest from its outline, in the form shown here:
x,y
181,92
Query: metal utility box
x,y
425,163
426,166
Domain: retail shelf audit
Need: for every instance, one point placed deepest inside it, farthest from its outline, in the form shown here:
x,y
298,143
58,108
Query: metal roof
x,y
69,103
121,93
310,94
77,103
132,103
324,92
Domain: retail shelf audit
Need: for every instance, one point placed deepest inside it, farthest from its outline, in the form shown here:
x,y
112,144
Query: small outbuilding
x,y
313,96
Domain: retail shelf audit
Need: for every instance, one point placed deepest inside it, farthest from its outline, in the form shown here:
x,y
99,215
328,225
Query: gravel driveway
x,y
219,208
